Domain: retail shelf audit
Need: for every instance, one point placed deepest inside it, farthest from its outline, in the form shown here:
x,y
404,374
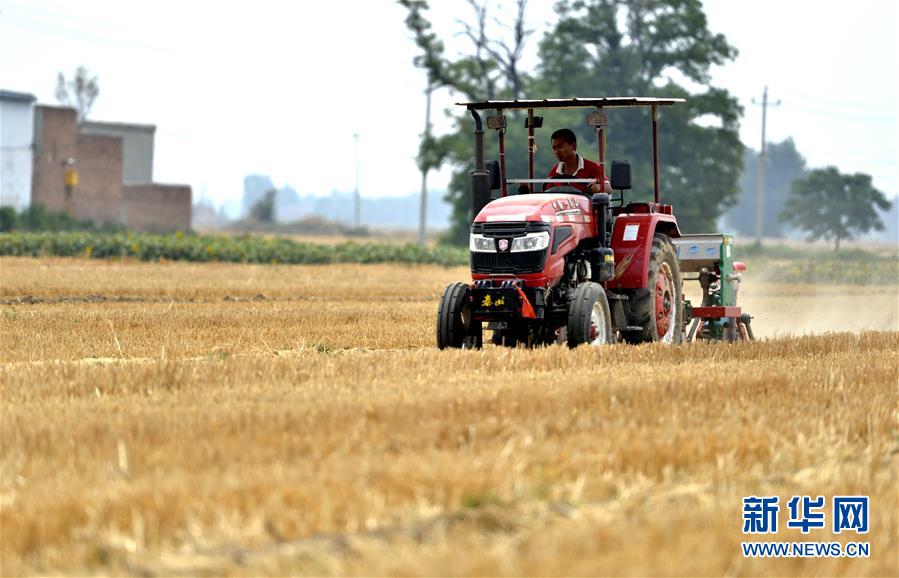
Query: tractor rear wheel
x,y
455,327
658,307
589,319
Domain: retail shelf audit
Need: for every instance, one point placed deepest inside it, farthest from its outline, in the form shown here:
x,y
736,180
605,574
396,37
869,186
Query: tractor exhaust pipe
x,y
602,265
479,178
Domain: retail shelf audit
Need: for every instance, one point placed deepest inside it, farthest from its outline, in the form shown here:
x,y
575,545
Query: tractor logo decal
x,y
503,245
562,205
490,302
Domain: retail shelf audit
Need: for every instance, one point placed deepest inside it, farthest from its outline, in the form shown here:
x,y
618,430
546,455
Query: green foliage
x,y
7,219
38,218
814,271
263,211
614,48
431,57
629,48
813,265
829,205
244,249
804,252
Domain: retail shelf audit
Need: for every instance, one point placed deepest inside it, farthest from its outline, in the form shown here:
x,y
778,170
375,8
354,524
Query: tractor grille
x,y
526,262
518,229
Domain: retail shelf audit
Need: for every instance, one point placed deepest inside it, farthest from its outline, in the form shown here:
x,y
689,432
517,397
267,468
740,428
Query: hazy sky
x,y
280,88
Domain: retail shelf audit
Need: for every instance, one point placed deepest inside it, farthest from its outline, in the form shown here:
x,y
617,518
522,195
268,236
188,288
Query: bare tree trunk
x,y
423,206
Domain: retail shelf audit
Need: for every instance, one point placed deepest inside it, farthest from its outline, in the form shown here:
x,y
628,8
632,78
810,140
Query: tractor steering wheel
x,y
562,188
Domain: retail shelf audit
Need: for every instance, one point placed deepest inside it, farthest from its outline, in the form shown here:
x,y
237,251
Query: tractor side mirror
x,y
493,168
621,175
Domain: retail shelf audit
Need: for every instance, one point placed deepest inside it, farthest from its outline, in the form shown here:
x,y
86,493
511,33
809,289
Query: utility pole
x,y
423,206
357,213
760,196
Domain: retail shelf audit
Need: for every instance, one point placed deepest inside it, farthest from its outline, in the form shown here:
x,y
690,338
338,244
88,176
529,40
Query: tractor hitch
x,y
507,299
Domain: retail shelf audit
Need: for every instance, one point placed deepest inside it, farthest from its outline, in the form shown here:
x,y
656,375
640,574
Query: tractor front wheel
x,y
589,319
455,327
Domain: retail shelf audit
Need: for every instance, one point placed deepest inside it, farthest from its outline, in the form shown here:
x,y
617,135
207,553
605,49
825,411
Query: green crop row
x,y
243,249
256,249
812,271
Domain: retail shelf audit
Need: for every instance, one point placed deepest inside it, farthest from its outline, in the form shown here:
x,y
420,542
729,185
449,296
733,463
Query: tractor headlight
x,y
481,244
531,242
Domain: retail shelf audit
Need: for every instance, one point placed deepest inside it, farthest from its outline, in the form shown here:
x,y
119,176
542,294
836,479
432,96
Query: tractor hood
x,y
545,207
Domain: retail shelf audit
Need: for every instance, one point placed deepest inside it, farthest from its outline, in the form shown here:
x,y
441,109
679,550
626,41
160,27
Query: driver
x,y
572,164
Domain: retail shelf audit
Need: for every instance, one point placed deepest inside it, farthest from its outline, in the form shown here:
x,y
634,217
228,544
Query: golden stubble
x,y
292,435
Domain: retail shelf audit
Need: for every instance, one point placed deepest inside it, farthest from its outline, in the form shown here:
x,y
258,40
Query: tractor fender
x,y
632,242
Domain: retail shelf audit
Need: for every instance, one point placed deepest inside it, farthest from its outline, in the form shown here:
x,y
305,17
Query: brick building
x,y
115,168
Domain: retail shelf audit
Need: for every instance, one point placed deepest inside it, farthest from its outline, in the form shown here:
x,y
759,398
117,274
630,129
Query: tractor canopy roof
x,y
601,102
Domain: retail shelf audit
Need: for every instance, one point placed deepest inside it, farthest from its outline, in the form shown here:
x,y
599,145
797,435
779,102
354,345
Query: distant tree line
x,y
822,202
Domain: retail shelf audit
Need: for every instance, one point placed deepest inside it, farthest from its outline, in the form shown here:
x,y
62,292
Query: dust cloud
x,y
780,309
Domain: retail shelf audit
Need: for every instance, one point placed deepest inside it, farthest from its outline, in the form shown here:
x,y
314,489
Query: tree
x,y
492,70
80,92
263,210
430,154
829,205
611,48
639,48
783,165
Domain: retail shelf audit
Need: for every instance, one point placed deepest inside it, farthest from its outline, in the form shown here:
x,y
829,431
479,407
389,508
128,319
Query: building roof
x,y
12,96
100,126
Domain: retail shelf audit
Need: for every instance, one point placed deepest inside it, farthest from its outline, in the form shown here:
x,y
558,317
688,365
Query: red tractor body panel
x,y
556,209
631,236
632,242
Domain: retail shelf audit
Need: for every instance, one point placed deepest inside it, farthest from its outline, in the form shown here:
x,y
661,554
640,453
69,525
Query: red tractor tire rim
x,y
664,300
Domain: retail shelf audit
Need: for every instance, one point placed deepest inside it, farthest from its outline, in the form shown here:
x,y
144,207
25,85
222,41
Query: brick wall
x,y
98,196
155,207
55,140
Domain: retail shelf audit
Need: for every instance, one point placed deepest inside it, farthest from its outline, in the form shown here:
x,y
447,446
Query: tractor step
x,y
616,297
633,328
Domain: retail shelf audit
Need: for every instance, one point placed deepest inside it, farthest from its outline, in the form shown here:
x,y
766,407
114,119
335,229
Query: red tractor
x,y
562,266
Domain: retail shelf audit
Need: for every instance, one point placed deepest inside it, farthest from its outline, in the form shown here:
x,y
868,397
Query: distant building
x,y
137,147
114,162
16,138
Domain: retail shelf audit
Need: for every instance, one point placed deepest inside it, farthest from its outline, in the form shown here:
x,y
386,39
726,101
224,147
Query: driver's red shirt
x,y
586,169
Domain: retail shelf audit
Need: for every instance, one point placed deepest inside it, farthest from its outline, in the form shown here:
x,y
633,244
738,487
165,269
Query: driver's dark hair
x,y
566,134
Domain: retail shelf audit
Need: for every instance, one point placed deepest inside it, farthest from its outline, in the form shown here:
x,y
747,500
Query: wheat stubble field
x,y
209,419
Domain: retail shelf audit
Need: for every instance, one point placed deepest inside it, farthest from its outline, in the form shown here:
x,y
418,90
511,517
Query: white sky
x,y
280,88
